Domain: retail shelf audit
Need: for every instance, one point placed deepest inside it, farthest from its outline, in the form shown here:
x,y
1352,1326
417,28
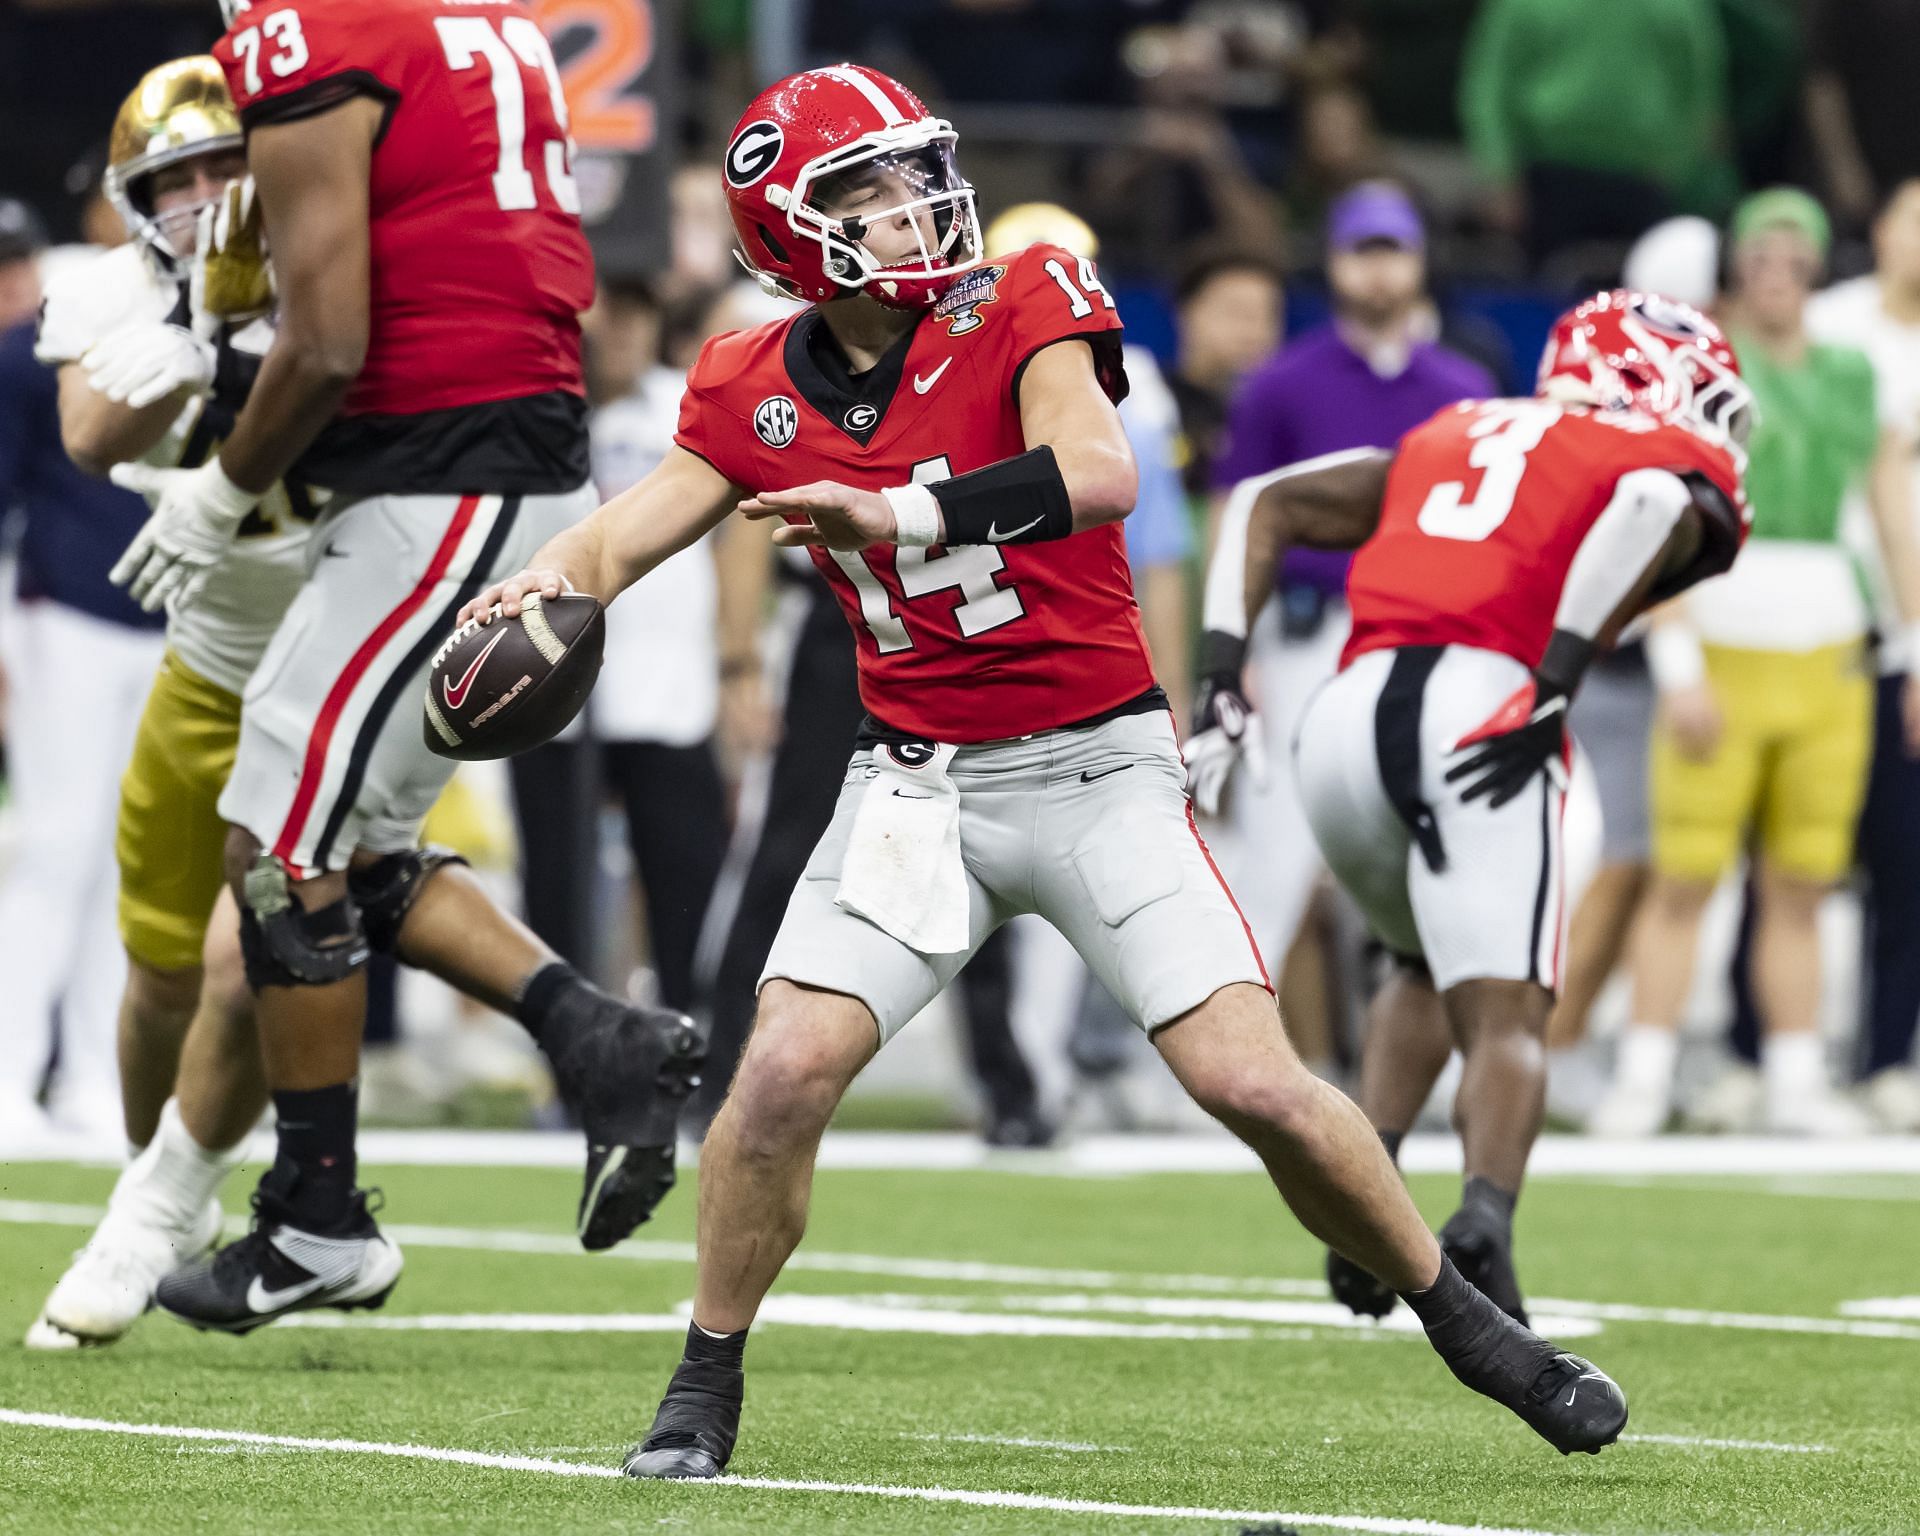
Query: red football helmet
x,y
826,166
1639,351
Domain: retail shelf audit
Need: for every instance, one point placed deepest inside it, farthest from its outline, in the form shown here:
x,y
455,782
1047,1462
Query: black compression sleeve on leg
x,y
1021,500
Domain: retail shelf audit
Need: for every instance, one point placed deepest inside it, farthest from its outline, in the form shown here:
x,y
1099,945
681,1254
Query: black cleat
x,y
281,1267
1356,1289
1564,1399
698,1421
626,1072
1483,1253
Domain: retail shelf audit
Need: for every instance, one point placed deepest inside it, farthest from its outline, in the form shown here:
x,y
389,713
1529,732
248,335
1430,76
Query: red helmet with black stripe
x,y
1625,350
840,182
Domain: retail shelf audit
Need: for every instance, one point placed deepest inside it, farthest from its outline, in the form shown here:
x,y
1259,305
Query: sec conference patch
x,y
776,421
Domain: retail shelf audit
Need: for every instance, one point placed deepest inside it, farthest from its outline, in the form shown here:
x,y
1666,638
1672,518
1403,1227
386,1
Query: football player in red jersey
x,y
940,434
1506,542
412,166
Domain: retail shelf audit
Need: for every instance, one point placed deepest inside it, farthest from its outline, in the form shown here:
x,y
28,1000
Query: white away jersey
x,y
222,635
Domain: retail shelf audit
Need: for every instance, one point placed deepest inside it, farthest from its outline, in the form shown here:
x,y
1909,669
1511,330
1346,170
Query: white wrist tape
x,y
1675,658
916,515
224,498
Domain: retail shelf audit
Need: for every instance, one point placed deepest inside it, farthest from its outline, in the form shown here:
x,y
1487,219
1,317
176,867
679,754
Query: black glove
x,y
1523,737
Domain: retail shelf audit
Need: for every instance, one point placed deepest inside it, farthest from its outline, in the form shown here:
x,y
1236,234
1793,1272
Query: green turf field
x,y
1095,1345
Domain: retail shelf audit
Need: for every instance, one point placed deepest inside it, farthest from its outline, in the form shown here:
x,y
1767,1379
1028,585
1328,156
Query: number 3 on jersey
x,y
970,567
1506,432
470,40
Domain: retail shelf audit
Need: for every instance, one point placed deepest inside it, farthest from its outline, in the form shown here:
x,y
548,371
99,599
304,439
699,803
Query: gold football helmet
x,y
175,113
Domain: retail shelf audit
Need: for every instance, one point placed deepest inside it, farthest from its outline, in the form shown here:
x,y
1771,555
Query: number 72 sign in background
x,y
619,68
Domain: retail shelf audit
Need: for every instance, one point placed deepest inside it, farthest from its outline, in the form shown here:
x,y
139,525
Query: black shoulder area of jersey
x,y
1720,535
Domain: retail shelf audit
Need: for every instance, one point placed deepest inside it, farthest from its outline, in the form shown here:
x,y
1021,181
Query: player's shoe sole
x,y
627,1072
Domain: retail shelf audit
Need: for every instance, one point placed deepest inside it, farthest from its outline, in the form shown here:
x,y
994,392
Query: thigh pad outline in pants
x,y
825,946
1497,910
331,753
1120,868
1336,757
1495,907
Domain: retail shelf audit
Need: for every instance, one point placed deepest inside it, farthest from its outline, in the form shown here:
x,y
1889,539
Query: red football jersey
x,y
1486,504
975,643
480,269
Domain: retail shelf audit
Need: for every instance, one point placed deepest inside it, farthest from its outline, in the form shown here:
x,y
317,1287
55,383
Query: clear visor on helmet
x,y
900,210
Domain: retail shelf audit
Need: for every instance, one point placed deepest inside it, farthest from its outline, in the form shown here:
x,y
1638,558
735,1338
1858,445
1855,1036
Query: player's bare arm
x,y
607,552
1078,472
313,177
99,432
1331,502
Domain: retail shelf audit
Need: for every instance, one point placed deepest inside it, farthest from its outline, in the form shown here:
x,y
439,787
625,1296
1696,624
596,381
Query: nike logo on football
x,y
456,693
260,1299
921,386
995,536
1105,773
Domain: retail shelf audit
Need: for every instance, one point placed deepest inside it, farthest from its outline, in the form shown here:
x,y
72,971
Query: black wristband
x,y
1021,500
1565,662
1222,654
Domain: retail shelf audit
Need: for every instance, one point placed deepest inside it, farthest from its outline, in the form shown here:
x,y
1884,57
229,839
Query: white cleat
x,y
1818,1111
109,1286
1892,1098
1733,1104
1630,1112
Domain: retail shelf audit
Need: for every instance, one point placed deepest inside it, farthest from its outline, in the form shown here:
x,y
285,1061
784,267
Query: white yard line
x,y
1889,1307
850,1314
1022,1441
647,1251
1113,1156
978,1498
1708,1443
499,1240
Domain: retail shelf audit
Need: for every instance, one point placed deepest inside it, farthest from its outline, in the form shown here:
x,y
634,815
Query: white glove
x,y
1226,730
196,513
147,361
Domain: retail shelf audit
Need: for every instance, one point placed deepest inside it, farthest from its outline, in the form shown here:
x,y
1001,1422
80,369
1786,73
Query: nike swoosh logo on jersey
x,y
995,536
456,693
1105,773
260,1299
921,386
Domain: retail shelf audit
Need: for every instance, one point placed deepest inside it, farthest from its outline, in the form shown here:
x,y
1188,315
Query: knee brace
x,y
284,945
386,890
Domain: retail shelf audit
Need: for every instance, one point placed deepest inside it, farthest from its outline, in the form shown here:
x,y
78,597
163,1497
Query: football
x,y
508,686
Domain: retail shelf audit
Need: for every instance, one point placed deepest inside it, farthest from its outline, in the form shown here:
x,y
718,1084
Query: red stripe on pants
x,y
320,739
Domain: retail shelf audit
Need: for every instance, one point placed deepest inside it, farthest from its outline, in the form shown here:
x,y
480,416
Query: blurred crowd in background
x,y
1323,220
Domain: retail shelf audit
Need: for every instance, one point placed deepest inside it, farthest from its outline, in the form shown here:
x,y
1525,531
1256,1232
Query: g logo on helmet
x,y
776,421
753,151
